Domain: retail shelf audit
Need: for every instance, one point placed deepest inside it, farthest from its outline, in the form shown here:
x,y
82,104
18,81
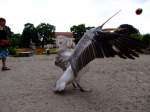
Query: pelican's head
x,y
127,29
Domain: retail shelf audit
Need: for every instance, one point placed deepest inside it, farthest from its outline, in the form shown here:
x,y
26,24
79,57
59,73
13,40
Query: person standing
x,y
5,32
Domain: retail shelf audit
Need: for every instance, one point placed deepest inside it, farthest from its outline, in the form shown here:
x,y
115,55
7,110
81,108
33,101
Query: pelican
x,y
96,43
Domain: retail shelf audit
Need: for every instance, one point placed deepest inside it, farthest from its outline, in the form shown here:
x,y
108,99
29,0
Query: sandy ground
x,y
117,86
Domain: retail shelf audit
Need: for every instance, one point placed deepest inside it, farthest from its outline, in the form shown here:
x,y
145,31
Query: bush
x,y
12,50
146,39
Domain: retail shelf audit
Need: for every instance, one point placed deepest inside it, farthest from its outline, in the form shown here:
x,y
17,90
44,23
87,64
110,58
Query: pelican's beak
x,y
109,29
120,29
113,29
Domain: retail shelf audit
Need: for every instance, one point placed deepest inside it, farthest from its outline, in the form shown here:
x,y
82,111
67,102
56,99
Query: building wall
x,y
62,40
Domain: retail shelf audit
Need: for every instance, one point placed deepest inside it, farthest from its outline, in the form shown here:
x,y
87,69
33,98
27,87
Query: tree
x,y
46,33
78,31
29,34
146,39
15,40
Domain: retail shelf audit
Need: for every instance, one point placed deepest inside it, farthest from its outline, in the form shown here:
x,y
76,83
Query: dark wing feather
x,y
103,44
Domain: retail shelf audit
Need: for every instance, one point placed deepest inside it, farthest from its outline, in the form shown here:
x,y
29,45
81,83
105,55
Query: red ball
x,y
138,11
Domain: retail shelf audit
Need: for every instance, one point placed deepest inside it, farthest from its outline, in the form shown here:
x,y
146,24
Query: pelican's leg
x,y
80,87
76,84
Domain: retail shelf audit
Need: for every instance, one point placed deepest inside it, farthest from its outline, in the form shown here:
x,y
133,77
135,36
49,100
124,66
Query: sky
x,y
63,14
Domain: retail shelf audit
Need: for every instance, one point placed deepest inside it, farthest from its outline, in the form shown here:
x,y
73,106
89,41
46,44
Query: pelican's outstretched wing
x,y
99,44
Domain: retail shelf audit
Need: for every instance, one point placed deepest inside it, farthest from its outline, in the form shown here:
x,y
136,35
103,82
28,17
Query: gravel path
x,y
117,86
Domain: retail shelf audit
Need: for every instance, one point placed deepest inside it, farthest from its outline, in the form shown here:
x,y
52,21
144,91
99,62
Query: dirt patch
x,y
117,86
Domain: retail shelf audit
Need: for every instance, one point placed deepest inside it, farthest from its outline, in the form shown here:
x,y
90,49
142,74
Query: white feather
x,y
65,79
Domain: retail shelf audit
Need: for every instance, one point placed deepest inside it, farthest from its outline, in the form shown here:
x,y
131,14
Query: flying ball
x,y
138,11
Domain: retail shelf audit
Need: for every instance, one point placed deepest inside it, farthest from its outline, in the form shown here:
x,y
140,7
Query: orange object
x,y
40,50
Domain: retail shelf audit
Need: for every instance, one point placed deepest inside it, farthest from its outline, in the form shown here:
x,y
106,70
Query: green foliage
x,y
34,34
12,50
46,32
78,31
146,39
15,40
27,35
